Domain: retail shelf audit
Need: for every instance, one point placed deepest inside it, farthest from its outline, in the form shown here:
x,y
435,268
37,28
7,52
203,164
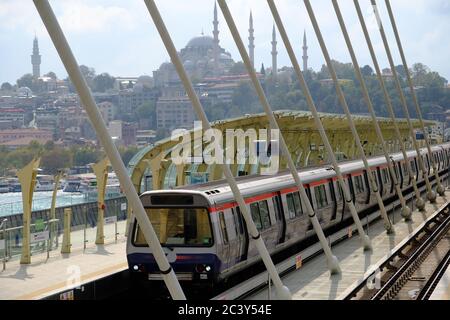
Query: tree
x,y
367,71
147,110
244,96
263,70
49,145
19,158
55,159
85,155
127,154
103,82
88,74
401,71
162,133
238,68
25,81
52,75
6,86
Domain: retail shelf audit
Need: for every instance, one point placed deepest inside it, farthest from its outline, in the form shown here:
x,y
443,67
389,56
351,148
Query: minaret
x,y
274,53
36,59
305,53
251,41
216,41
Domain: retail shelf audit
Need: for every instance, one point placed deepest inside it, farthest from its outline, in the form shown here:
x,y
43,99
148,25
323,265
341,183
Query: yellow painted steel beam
x,y
299,131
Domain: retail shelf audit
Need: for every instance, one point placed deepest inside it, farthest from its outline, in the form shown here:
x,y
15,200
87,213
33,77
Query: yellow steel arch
x,y
301,136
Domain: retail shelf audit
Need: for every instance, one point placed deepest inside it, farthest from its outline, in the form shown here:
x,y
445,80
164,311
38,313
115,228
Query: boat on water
x,y
4,187
10,185
87,185
44,183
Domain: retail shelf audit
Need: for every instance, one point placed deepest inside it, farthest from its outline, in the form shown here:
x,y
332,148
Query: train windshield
x,y
178,227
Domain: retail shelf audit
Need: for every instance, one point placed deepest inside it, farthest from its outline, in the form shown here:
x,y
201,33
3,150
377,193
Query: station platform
x,y
442,290
313,281
45,277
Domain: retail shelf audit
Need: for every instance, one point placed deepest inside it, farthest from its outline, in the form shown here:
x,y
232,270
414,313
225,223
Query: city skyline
x,y
125,35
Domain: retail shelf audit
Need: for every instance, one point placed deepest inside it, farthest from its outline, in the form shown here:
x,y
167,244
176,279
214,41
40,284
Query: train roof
x,y
220,192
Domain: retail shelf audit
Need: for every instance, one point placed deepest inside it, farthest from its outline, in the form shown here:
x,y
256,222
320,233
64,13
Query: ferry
x,y
4,187
44,183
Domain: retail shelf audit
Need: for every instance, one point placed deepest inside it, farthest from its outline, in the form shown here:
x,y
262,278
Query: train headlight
x,y
135,267
200,268
208,268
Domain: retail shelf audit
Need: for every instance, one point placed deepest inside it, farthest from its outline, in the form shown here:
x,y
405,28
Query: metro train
x,y
204,235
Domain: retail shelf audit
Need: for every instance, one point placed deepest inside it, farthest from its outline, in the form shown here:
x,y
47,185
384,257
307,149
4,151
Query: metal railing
x,y
48,233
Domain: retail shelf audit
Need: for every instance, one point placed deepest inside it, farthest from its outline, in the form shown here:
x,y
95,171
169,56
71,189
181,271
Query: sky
x,y
119,37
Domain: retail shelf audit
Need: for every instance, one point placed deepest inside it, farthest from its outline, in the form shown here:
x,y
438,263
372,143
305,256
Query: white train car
x,y
204,234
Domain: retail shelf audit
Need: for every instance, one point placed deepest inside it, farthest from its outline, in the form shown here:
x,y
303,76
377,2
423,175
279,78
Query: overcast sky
x,y
118,36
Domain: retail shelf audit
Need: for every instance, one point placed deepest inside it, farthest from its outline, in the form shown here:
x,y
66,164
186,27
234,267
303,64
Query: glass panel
x,y
255,215
240,219
298,205
405,170
321,197
276,208
236,222
264,212
223,228
179,226
359,185
291,206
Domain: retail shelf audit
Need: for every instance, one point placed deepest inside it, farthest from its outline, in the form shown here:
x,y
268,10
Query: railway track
x,y
413,270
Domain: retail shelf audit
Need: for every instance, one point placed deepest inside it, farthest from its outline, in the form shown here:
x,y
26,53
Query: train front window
x,y
178,227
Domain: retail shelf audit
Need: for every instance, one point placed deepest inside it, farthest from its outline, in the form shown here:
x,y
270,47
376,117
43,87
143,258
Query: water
x,y
11,203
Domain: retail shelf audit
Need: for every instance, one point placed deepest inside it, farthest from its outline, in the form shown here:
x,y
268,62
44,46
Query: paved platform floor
x,y
44,276
442,291
313,281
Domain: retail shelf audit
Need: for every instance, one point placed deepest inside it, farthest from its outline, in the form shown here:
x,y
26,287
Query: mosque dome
x,y
201,42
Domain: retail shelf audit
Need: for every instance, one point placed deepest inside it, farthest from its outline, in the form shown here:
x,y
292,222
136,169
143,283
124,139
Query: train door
x,y
225,252
415,167
340,203
427,164
333,199
368,187
381,186
242,239
279,215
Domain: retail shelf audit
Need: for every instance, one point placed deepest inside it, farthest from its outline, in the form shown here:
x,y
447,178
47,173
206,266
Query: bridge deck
x,y
45,277
313,281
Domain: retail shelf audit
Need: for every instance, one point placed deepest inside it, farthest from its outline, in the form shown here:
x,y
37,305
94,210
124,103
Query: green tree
x,y
85,155
25,81
102,82
17,159
238,68
127,153
52,75
162,133
244,96
6,86
367,71
147,110
88,74
263,70
55,159
49,145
